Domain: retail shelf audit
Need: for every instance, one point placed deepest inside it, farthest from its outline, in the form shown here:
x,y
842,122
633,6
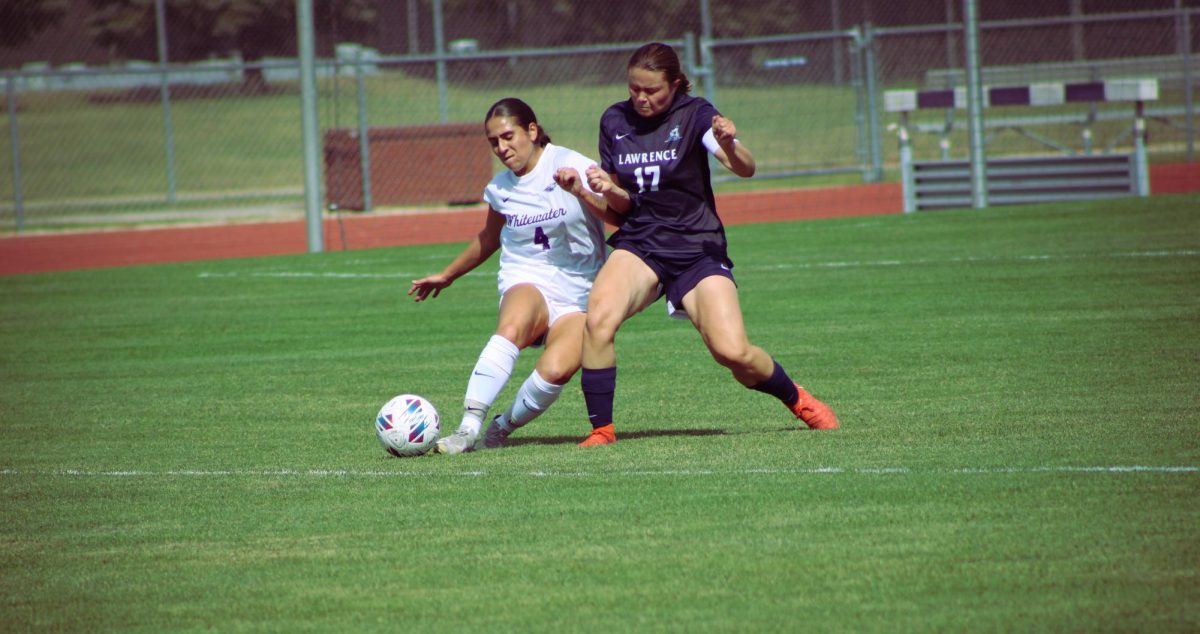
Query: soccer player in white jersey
x,y
549,229
654,171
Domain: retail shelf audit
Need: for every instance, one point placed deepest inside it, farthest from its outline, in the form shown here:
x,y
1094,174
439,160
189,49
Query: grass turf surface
x,y
189,447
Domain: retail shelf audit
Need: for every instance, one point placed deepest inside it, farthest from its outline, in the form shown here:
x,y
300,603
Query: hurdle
x,y
945,183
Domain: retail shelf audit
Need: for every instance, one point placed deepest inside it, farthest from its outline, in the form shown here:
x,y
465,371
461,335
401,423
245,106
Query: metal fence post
x,y
1141,163
310,129
439,49
979,198
364,131
869,71
860,103
15,142
164,89
706,57
906,166
835,24
1184,33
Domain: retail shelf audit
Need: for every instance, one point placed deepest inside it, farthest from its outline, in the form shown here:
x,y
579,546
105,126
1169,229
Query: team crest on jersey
x,y
674,135
550,187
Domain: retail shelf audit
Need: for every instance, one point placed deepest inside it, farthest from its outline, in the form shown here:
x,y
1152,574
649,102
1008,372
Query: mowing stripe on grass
x,y
406,275
1178,253
656,473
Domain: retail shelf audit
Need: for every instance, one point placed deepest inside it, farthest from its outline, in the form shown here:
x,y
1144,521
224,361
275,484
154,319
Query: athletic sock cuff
x,y
543,384
503,346
779,385
598,381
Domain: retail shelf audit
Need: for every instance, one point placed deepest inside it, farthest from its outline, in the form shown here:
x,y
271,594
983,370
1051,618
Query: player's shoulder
x,y
621,108
619,113
504,179
566,157
495,192
691,105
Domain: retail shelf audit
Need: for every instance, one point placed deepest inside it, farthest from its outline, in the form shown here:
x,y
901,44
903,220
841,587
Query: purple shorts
x,y
678,276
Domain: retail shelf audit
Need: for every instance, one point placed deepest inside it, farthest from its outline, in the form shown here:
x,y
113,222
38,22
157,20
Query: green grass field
x,y
190,448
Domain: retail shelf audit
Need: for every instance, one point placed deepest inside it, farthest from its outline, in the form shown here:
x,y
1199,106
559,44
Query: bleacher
x,y
941,184
1169,70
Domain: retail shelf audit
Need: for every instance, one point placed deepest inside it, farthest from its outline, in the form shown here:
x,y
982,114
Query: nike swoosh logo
x,y
504,199
622,136
482,374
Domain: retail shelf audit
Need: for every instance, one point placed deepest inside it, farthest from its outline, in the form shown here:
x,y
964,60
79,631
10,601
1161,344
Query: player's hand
x,y
599,180
422,288
724,130
569,179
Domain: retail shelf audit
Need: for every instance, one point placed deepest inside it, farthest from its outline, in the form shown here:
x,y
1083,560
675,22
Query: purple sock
x,y
598,388
780,386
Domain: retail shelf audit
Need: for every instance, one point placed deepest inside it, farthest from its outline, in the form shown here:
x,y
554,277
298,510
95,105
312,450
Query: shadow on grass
x,y
632,435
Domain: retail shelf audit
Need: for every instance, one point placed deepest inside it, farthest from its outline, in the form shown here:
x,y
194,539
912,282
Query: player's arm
x,y
729,151
477,251
596,204
609,186
605,183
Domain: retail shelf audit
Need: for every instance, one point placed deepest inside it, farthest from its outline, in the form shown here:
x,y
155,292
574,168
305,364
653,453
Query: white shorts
x,y
564,294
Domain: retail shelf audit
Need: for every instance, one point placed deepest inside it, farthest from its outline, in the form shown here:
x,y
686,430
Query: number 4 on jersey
x,y
540,237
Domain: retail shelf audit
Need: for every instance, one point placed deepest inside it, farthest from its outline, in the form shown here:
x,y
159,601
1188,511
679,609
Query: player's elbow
x,y
745,170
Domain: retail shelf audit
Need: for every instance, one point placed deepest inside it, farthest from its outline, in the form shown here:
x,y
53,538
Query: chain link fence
x,y
147,141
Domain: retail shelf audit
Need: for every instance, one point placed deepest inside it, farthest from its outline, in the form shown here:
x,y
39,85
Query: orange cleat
x,y
814,413
603,435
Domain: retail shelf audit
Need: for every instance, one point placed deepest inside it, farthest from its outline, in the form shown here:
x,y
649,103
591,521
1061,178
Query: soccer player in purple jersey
x,y
654,172
549,230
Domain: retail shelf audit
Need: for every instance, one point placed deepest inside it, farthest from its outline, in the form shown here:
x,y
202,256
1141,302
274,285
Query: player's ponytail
x,y
521,112
657,56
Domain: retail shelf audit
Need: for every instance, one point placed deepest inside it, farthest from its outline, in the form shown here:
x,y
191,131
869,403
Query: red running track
x,y
68,251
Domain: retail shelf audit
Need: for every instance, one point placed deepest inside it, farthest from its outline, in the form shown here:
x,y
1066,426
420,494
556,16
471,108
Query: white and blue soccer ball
x,y
408,425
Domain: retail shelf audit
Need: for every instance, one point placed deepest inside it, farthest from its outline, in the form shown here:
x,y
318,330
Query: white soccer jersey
x,y
548,238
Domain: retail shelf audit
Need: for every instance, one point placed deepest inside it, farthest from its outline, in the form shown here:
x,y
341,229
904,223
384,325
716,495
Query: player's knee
x,y
557,371
518,334
731,354
601,325
509,331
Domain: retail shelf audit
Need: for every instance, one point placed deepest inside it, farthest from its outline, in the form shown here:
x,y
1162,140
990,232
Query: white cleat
x,y
496,435
458,442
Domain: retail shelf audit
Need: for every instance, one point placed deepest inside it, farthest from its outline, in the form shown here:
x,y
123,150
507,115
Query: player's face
x,y
650,92
514,145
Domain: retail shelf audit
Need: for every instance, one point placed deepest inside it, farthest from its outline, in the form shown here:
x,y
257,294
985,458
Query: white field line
x,y
327,275
1178,253
646,473
406,275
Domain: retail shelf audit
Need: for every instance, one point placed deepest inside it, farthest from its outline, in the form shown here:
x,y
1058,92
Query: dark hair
x,y
519,110
657,56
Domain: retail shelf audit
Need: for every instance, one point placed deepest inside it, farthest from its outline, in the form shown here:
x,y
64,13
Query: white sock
x,y
491,372
535,396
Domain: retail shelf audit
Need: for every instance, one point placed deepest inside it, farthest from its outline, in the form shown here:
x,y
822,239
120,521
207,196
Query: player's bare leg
x,y
555,367
716,313
624,286
523,317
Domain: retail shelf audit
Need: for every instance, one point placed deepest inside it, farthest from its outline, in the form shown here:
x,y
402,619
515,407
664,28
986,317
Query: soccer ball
x,y
407,425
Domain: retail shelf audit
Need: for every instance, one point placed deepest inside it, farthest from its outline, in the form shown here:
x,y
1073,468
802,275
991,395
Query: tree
x,y
197,29
23,19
